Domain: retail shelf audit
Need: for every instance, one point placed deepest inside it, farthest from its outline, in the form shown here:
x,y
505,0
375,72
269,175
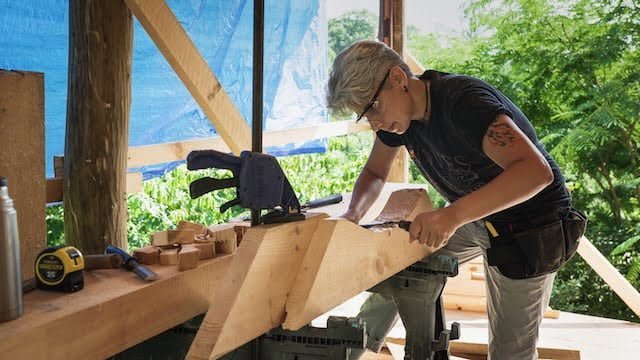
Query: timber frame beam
x,y
164,29
291,273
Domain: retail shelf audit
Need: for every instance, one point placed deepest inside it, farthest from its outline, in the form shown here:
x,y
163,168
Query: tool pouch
x,y
537,251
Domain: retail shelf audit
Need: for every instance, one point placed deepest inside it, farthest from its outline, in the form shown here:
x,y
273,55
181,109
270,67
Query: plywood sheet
x,y
22,157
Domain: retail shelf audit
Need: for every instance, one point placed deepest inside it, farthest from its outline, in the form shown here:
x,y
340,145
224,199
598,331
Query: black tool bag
x,y
525,253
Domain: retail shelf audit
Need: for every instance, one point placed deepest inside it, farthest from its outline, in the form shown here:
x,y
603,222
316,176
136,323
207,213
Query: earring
x,y
406,89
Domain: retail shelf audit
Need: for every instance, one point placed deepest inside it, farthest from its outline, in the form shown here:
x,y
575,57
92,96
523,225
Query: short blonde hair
x,y
356,73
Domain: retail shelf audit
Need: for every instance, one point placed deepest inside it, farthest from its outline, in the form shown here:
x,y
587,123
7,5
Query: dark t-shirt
x,y
447,149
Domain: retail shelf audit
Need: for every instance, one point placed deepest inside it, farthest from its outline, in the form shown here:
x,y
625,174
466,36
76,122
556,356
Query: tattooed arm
x,y
526,172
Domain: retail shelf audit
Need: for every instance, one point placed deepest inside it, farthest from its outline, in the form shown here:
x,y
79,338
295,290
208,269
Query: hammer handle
x,y
102,261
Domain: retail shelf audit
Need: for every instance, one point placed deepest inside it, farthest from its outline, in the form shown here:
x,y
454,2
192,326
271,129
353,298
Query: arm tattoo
x,y
500,133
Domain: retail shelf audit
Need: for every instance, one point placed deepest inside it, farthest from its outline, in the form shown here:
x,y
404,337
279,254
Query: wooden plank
x,y
253,295
618,283
461,348
414,65
22,158
464,349
113,312
175,151
55,187
185,59
338,246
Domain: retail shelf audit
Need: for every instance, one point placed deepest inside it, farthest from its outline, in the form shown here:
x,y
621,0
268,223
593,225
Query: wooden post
x,y
392,30
97,133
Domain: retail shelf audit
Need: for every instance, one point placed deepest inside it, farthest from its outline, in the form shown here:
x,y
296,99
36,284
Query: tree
x,y
350,27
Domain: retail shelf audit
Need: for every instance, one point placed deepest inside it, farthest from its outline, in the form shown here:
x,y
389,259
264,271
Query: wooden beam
x,y
175,151
266,275
414,65
115,311
55,186
338,246
392,33
253,295
398,27
185,59
618,283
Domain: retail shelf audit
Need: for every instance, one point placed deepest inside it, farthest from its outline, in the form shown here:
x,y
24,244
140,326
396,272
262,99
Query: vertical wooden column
x,y
392,33
97,133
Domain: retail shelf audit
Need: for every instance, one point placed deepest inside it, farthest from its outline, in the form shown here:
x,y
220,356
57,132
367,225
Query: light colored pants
x,y
515,307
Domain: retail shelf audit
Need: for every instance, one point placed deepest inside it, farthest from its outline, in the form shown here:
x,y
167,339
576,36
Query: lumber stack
x,y
190,243
468,292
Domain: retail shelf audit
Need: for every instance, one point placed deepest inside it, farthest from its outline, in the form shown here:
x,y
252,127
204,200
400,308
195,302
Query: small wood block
x,y
405,205
198,229
147,255
225,237
222,232
169,256
168,237
188,258
207,249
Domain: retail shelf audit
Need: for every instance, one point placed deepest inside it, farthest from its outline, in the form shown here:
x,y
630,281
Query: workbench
x,y
116,310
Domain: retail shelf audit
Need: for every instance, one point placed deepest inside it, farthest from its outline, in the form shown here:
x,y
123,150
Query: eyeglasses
x,y
374,100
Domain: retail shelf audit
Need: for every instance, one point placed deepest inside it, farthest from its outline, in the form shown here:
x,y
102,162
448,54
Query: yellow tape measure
x,y
60,268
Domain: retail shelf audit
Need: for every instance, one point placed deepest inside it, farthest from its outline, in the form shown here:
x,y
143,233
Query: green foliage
x,y
55,225
350,27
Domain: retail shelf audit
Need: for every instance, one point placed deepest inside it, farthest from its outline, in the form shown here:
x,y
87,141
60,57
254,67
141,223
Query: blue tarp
x,y
34,37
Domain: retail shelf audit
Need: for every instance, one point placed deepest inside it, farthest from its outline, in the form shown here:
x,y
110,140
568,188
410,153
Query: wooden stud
x,y
159,153
618,283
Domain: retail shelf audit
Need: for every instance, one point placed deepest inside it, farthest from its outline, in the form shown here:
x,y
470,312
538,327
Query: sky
x,y
441,16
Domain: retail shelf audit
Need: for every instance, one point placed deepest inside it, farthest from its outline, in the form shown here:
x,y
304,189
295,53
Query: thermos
x,y
10,270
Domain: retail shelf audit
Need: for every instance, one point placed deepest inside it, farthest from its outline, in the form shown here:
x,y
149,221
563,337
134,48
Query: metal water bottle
x,y
10,270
